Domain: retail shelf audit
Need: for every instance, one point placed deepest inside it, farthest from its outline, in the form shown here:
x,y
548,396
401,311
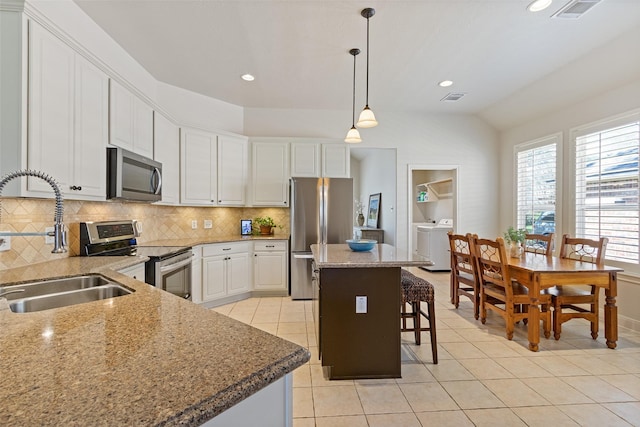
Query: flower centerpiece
x,y
359,207
265,224
515,239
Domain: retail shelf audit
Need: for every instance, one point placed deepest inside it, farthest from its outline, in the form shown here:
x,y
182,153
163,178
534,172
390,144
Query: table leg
x,y
533,326
611,312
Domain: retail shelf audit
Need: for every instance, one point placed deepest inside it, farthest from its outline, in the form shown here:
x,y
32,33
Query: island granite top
x,y
382,255
149,358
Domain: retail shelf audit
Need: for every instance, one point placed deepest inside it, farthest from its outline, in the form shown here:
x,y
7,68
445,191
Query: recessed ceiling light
x,y
445,83
538,5
248,77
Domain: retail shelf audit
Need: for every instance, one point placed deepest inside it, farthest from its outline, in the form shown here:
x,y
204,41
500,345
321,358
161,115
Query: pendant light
x,y
353,136
367,118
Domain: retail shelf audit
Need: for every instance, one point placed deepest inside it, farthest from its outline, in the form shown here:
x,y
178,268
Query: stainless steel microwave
x,y
131,176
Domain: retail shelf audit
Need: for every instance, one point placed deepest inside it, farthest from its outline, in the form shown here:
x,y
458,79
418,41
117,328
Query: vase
x,y
360,219
515,250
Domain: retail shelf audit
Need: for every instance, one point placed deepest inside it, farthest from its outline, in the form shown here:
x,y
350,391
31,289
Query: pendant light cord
x,y
367,96
353,107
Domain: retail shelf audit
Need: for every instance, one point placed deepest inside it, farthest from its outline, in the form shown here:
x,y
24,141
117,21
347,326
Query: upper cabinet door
x,y
142,128
131,121
305,160
67,118
121,117
51,98
91,130
270,167
232,170
336,161
198,167
167,151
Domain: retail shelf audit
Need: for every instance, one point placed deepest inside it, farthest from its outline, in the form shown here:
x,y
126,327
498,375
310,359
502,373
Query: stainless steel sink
x,y
55,293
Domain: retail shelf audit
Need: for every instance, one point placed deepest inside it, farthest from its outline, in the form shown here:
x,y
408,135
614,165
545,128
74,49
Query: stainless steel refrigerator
x,y
321,212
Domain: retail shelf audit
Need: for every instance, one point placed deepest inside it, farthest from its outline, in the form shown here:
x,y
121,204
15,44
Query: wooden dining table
x,y
538,272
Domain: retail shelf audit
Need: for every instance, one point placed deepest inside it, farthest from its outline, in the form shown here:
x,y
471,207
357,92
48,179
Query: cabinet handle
x,y
76,187
270,246
226,249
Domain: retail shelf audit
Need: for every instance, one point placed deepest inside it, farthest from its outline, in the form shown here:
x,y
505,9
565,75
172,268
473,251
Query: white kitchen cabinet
x,y
336,161
135,271
232,170
305,160
131,121
270,271
198,174
320,160
270,174
166,150
67,118
196,274
226,271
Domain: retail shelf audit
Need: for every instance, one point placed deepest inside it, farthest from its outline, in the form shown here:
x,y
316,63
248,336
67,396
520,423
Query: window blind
x,y
536,184
607,178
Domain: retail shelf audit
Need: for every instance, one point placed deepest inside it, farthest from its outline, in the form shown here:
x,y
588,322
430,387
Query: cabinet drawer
x,y
270,245
225,248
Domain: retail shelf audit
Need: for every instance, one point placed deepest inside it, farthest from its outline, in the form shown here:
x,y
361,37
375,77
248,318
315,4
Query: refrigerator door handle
x,y
308,256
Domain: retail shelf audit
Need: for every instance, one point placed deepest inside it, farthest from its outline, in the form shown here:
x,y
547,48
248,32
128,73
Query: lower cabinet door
x,y
214,277
237,273
269,271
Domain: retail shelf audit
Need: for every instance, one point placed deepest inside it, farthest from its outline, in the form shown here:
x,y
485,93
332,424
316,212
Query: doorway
x,y
432,196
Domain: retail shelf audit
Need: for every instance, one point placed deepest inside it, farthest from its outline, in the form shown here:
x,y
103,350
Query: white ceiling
x,y
494,50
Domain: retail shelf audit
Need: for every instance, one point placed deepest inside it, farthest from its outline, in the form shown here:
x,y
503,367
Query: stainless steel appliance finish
x,y
168,268
170,271
321,212
131,176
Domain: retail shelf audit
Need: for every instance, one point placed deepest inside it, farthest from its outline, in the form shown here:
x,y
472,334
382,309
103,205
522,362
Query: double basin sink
x,y
55,293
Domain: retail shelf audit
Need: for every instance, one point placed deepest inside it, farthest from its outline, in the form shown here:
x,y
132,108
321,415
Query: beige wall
x,y
159,222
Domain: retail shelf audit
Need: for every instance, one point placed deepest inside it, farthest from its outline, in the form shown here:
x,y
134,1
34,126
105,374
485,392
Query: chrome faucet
x,y
59,233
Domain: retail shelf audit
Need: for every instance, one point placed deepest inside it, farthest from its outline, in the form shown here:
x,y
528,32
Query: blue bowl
x,y
361,245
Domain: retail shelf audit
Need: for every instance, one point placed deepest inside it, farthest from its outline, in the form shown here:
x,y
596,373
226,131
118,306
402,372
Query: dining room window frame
x,y
607,185
536,182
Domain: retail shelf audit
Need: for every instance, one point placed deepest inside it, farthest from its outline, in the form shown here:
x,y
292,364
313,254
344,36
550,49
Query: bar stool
x,y
415,290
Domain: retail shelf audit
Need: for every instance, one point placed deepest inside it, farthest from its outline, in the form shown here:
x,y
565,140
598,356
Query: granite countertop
x,y
149,358
195,241
382,255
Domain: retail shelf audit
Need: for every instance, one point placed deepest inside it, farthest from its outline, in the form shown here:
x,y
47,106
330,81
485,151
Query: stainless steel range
x,y
168,268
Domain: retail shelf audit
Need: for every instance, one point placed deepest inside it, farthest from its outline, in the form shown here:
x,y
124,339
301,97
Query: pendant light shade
x,y
353,136
367,119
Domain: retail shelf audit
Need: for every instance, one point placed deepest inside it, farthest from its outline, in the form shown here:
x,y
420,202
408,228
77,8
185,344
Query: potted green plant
x,y
265,224
515,239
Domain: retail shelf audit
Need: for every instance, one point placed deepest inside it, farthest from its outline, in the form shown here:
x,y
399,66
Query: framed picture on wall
x,y
374,210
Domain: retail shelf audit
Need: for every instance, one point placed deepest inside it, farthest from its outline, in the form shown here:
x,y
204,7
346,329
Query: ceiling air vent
x,y
453,96
575,9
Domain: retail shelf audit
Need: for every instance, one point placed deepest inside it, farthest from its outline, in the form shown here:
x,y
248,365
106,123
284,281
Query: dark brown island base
x,y
356,307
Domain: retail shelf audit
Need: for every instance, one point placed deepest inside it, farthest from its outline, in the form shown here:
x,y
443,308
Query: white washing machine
x,y
433,244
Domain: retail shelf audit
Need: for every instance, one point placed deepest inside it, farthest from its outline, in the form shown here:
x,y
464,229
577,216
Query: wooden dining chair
x,y
499,293
539,243
578,302
464,276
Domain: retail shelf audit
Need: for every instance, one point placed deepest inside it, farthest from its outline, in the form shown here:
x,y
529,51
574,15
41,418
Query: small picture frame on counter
x,y
246,227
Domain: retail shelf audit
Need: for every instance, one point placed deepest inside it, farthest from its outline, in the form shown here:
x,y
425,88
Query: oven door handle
x,y
175,266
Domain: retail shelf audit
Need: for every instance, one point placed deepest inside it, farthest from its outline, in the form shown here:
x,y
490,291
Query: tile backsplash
x,y
158,222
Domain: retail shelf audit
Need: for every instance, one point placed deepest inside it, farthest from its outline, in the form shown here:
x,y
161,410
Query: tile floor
x,y
481,379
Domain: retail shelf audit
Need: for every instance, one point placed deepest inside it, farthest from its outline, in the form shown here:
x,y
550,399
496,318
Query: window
x,y
536,185
607,186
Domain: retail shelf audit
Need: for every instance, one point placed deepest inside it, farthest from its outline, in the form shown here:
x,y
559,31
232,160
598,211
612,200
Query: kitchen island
x,y
148,358
357,309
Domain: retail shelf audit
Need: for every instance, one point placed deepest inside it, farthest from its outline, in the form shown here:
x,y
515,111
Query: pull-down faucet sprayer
x,y
59,233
